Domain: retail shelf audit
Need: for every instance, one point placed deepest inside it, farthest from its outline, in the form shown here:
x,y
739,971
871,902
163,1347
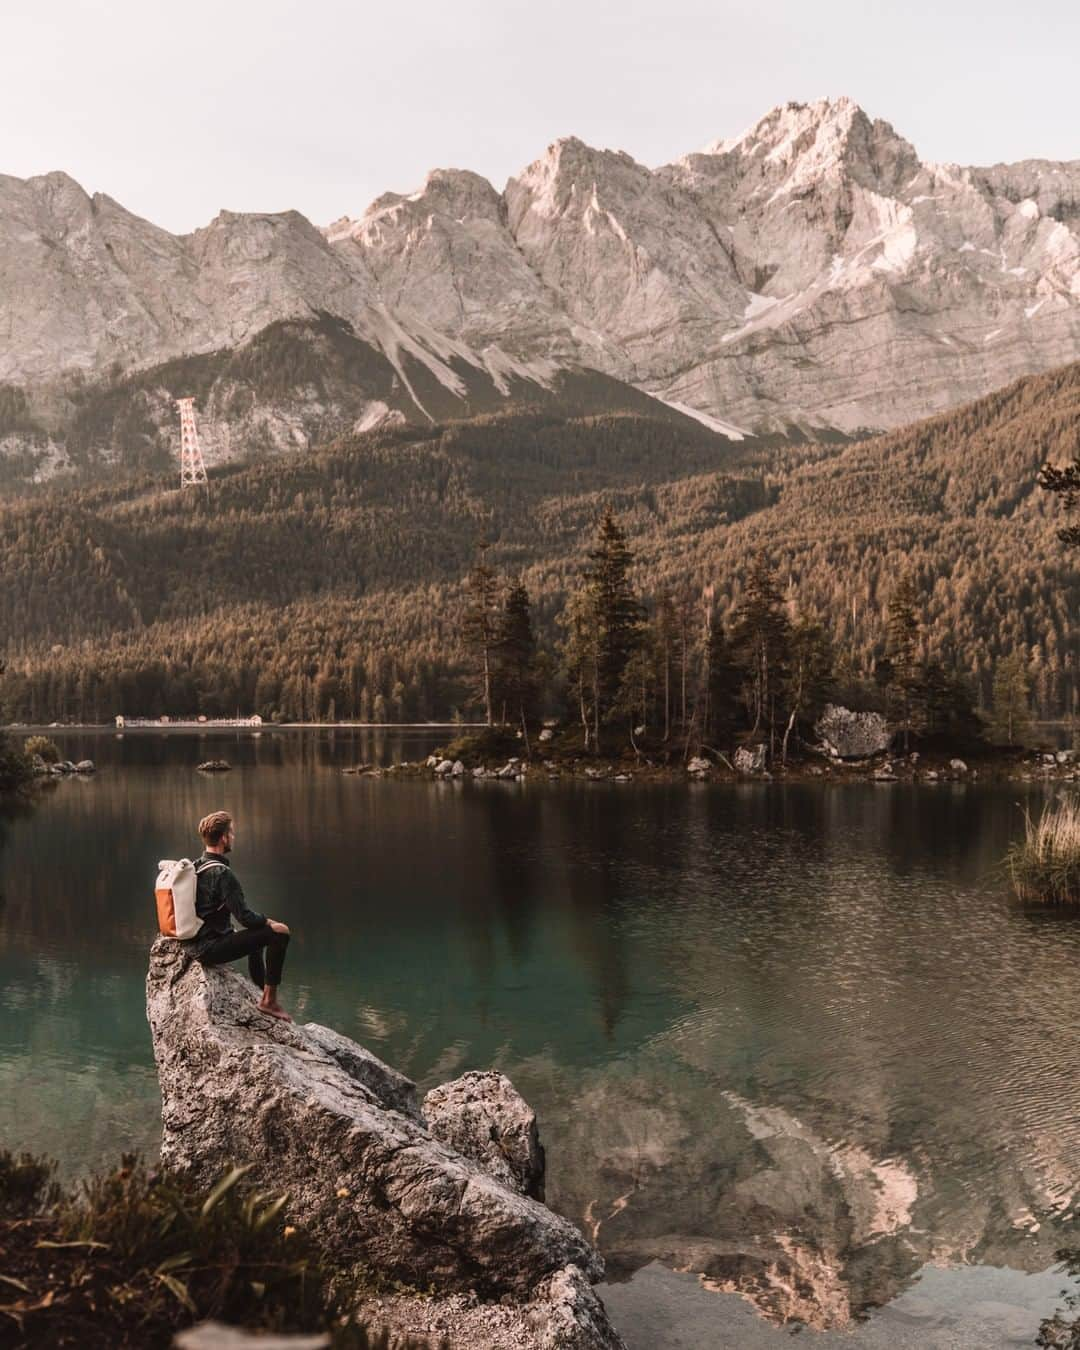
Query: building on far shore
x,y
123,722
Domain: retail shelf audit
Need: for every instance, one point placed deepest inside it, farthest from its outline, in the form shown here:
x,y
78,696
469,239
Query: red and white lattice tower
x,y
192,465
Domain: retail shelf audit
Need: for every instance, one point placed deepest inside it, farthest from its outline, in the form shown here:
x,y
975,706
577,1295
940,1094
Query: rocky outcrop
x,y
812,271
852,735
483,1116
564,1314
323,1119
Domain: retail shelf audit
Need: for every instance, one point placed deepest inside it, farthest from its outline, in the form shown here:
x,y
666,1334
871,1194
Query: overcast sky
x,y
178,111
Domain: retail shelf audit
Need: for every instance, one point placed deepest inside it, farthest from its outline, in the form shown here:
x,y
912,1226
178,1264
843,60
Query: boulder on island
x,y
751,758
852,735
436,1203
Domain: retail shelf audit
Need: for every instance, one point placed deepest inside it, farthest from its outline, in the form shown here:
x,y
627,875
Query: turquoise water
x,y
796,1040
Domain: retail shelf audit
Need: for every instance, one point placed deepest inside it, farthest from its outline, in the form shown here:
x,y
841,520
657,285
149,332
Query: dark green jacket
x,y
219,896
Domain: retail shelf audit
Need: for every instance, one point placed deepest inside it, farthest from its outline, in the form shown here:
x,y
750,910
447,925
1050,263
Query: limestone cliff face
x,y
812,271
321,1118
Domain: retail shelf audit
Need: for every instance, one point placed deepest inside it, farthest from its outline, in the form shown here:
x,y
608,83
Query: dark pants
x,y
249,942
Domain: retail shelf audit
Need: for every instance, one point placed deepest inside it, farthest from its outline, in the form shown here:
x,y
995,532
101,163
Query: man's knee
x,y
279,939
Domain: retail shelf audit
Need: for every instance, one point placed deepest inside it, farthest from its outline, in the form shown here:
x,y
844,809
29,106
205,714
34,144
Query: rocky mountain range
x,y
812,273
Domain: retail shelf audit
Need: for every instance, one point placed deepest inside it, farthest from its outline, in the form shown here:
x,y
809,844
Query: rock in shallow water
x,y
483,1116
325,1120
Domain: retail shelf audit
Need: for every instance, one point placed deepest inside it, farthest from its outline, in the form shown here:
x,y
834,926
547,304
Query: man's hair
x,y
215,827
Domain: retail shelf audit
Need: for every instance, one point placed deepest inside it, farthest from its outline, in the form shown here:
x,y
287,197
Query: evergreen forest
x,y
343,582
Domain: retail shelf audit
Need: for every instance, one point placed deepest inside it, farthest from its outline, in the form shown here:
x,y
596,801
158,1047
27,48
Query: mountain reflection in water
x,y
797,1040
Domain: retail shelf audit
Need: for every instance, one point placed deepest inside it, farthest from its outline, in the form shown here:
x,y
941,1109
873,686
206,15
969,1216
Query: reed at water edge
x,y
1045,864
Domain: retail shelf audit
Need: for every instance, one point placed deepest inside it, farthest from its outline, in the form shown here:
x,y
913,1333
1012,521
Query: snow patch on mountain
x,y
728,429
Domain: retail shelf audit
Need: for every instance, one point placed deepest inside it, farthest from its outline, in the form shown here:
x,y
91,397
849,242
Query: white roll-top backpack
x,y
175,894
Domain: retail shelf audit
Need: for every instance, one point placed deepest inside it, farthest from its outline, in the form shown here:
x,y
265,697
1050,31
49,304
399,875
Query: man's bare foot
x,y
273,1010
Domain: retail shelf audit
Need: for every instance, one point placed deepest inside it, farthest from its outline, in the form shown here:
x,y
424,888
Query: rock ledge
x,y
322,1118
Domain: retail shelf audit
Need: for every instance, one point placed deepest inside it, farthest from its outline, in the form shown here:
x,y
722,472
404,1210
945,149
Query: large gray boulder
x,y
323,1119
852,735
483,1116
751,758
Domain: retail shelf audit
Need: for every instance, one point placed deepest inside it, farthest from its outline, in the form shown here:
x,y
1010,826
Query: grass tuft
x,y
1045,864
26,1184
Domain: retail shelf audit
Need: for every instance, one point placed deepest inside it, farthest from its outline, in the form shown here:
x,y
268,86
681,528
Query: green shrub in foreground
x,y
131,1256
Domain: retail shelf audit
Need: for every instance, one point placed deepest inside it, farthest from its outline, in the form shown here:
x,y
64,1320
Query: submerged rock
x,y
324,1119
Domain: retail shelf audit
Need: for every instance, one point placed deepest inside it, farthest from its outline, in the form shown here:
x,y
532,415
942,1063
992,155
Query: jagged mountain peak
x,y
567,168
789,122
53,200
832,137
56,184
456,192
810,271
450,195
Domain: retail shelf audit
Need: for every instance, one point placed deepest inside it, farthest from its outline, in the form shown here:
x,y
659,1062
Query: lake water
x,y
797,1042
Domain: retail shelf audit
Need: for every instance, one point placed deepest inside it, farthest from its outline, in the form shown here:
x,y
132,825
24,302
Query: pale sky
x,y
178,111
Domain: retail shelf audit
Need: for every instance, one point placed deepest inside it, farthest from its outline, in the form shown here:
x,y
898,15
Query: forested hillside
x,y
332,585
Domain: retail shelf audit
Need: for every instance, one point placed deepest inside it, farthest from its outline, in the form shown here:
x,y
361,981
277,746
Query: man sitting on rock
x,y
219,895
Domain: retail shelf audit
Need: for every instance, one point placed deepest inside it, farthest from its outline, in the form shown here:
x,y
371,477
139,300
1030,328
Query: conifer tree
x,y
902,630
664,641
810,674
723,683
515,679
580,656
619,616
1010,708
761,635
480,627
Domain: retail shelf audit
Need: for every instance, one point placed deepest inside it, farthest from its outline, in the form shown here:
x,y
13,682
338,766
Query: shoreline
x,y
38,727
563,763
931,771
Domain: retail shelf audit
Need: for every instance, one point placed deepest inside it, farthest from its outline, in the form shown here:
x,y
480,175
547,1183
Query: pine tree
x,y
1010,709
761,635
515,678
480,627
810,675
580,656
664,642
619,616
724,681
902,629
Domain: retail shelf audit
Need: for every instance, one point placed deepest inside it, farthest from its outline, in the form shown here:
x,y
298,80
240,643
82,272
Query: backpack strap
x,y
203,865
